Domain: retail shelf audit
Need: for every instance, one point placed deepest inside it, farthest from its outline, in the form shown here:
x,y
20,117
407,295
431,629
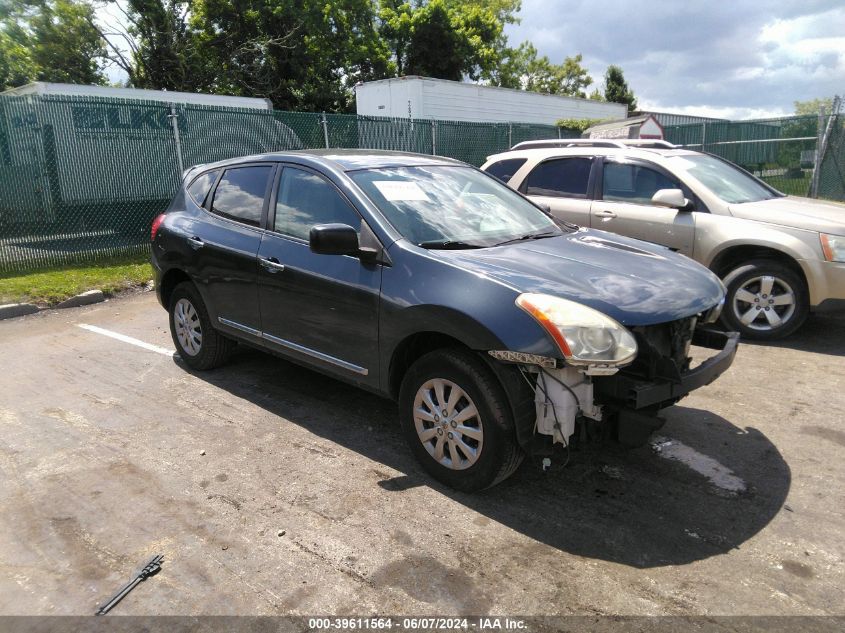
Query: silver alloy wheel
x,y
448,424
188,328
764,303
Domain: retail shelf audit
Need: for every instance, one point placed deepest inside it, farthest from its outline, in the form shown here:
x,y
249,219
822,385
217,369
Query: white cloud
x,y
731,60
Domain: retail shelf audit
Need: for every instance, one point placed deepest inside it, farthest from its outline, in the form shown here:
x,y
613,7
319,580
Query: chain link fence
x,y
780,151
82,178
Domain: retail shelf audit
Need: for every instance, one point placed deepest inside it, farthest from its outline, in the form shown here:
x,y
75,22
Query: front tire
x,y
458,421
200,346
765,300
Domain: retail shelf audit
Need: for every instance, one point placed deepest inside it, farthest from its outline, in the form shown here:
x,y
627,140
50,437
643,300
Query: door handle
x,y
195,243
606,213
271,264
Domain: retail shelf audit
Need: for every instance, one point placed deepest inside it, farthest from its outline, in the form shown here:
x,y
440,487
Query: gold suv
x,y
779,256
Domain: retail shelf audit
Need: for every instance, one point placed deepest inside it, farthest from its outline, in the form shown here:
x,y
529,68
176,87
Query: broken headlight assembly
x,y
585,336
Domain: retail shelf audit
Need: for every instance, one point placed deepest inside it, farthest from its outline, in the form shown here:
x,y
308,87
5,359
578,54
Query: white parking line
x,y
719,475
127,339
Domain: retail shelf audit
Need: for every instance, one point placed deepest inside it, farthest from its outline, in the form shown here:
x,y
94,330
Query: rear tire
x,y
458,421
200,346
765,300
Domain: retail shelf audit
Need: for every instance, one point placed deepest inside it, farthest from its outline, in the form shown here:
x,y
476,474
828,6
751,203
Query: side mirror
x,y
337,239
672,198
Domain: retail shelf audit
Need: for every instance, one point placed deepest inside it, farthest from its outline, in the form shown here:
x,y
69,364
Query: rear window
x,y
201,185
240,194
563,177
505,169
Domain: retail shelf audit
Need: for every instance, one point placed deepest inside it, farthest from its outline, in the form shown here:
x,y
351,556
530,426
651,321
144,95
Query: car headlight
x,y
833,247
585,336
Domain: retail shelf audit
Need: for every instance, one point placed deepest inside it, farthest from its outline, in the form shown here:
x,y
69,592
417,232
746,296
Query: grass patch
x,y
53,286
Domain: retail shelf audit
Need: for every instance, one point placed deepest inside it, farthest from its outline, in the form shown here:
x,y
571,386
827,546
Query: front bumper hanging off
x,y
635,392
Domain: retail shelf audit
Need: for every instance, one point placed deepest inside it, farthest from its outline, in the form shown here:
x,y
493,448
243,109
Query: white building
x,y
427,98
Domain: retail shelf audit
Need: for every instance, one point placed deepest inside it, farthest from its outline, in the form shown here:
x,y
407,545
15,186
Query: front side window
x,y
563,177
240,194
726,180
201,185
452,207
505,169
306,199
622,182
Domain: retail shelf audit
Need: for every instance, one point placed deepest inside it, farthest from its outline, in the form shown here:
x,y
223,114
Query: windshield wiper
x,y
530,236
448,245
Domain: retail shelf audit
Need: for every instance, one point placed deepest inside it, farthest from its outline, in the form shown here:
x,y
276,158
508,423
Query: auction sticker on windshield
x,y
400,190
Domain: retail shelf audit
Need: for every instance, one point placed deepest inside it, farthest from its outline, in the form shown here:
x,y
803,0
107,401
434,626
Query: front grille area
x,y
663,349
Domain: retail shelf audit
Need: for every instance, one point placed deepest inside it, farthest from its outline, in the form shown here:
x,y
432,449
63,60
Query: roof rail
x,y
652,143
567,142
595,142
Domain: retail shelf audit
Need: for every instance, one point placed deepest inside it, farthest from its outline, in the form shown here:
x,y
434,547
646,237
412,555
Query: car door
x,y
225,238
322,309
624,205
563,185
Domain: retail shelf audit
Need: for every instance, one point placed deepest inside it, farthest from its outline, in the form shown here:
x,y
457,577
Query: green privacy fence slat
x,y
82,178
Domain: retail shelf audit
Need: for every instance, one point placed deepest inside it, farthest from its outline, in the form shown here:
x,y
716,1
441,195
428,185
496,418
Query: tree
x,y
302,56
812,107
616,89
50,40
161,48
444,39
523,68
16,66
596,95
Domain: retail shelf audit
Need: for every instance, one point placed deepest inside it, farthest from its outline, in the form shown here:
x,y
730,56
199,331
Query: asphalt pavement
x,y
271,489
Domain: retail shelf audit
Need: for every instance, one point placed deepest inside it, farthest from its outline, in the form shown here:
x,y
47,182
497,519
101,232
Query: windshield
x,y
727,181
452,207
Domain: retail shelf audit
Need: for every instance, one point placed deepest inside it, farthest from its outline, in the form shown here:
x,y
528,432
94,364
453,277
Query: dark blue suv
x,y
500,330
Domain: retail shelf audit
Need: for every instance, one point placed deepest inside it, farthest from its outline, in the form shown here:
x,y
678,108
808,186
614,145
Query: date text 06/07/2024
x,y
418,623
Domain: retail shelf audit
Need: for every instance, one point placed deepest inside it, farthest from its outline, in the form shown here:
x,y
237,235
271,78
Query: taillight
x,y
156,224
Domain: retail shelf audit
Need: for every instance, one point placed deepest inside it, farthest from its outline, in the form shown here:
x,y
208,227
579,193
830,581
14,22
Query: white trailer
x,y
64,145
426,98
42,88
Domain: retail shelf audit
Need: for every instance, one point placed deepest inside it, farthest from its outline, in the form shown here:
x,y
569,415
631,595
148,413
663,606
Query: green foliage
x,y
596,95
813,106
523,68
49,40
578,124
616,89
302,56
445,39
163,50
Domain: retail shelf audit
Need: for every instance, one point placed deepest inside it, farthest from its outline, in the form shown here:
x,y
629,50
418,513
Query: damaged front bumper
x,y
631,391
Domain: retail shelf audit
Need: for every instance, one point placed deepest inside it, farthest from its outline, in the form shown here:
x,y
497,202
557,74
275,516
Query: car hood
x,y
792,211
634,282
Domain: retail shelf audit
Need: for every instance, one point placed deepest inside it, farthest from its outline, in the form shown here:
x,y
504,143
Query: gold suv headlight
x,y
833,247
585,336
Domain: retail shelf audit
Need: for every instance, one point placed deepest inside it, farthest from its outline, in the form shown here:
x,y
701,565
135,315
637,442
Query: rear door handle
x,y
271,264
196,243
605,213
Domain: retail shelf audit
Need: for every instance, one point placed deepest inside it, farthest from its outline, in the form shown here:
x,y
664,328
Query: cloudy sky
x,y
723,58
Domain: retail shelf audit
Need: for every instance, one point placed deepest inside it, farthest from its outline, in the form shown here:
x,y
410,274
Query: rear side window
x,y
240,194
505,169
306,199
201,185
564,177
633,183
